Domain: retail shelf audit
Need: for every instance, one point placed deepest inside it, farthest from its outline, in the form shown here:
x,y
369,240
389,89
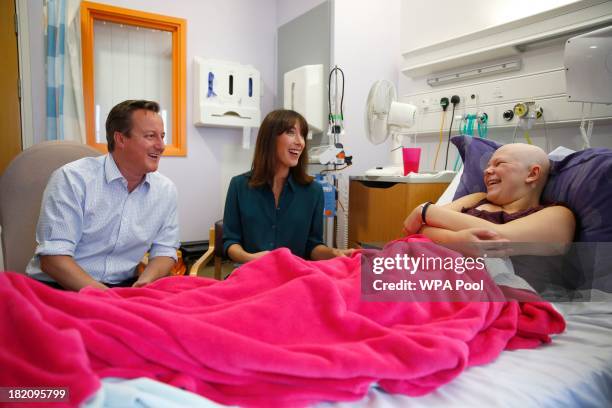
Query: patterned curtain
x,y
65,114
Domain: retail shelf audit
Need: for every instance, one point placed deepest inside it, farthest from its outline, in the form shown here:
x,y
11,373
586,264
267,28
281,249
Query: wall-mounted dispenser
x,y
227,95
304,93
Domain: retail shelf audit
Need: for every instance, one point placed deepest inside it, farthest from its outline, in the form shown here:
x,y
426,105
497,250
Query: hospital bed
x,y
575,370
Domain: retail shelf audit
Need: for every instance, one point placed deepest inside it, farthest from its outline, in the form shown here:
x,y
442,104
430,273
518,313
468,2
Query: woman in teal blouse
x,y
276,204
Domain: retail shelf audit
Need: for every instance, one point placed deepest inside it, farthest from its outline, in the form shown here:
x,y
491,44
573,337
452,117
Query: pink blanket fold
x,y
280,331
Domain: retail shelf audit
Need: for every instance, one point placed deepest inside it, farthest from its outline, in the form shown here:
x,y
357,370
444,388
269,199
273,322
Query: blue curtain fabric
x,y
56,57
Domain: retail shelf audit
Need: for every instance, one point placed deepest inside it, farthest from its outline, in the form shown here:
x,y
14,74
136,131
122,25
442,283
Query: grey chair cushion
x,y
21,189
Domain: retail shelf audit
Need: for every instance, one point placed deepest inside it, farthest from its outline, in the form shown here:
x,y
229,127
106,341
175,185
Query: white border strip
x,y
25,76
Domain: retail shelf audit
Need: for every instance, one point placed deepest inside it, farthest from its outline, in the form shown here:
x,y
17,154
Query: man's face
x,y
145,144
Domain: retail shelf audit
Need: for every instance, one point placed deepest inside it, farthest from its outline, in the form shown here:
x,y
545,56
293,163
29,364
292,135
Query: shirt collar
x,y
111,171
291,182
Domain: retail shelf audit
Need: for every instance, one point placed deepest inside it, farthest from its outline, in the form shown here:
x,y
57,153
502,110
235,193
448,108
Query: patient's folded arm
x,y
551,224
481,241
469,242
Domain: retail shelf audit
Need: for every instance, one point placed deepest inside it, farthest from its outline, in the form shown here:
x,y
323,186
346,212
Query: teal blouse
x,y
251,219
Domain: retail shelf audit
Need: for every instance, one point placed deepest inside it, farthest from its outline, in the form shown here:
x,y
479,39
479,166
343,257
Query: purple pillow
x,y
582,181
475,153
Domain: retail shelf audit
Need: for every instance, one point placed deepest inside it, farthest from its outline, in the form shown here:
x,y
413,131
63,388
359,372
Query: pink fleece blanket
x,y
280,331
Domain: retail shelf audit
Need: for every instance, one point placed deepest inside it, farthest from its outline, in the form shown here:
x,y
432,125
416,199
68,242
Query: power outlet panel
x,y
547,89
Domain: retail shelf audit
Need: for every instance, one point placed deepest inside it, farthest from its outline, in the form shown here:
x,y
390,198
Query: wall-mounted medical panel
x,y
506,40
304,93
226,94
588,60
495,97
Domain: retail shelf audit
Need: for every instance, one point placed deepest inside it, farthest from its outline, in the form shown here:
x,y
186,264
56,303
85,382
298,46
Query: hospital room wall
x,y
421,26
365,45
287,10
235,30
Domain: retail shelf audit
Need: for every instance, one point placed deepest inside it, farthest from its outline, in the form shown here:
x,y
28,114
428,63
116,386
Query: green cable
x,y
483,125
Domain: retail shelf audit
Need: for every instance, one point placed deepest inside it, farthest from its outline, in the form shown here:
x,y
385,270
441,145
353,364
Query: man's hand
x,y
142,281
65,271
158,267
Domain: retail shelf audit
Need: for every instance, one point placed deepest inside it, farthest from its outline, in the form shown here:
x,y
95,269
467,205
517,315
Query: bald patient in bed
x,y
510,210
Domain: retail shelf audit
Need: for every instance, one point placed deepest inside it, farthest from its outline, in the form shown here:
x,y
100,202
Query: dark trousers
x,y
124,284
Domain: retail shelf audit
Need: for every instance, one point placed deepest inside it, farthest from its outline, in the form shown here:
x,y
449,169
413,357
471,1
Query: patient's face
x,y
289,147
505,177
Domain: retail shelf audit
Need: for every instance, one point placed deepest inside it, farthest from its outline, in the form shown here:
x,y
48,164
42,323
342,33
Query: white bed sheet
x,y
575,370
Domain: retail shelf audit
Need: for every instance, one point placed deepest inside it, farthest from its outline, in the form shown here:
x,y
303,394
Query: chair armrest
x,y
207,256
219,239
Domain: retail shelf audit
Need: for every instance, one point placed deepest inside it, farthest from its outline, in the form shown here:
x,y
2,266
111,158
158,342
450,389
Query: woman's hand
x,y
257,255
343,252
322,252
237,254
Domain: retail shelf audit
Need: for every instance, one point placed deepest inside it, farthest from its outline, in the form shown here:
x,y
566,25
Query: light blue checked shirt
x,y
88,213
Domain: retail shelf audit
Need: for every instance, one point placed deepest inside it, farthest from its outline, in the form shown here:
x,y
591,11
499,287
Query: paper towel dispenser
x,y
227,94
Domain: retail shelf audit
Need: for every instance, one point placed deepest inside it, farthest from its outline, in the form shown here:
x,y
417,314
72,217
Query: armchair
x,y
215,251
21,189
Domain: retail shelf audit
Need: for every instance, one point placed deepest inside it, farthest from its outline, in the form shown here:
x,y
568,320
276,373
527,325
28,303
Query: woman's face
x,y
289,147
505,178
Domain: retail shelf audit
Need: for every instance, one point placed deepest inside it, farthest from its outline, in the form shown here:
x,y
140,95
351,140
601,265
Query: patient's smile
x,y
492,181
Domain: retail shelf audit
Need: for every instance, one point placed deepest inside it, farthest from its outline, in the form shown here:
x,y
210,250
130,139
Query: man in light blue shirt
x,y
100,215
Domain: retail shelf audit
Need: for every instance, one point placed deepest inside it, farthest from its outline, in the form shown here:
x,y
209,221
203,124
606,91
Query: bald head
x,y
529,155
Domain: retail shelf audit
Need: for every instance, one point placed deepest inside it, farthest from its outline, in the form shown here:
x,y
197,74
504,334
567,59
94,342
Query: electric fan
x,y
385,117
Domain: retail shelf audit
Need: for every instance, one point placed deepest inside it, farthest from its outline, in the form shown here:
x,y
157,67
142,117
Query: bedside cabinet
x,y
378,208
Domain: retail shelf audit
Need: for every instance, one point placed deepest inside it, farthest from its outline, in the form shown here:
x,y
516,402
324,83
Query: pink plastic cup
x,y
412,156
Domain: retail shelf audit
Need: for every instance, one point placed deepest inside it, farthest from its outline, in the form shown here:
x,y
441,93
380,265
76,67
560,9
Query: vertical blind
x,y
131,63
